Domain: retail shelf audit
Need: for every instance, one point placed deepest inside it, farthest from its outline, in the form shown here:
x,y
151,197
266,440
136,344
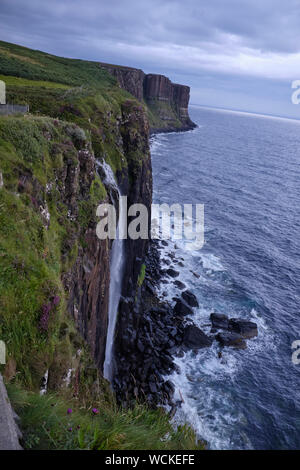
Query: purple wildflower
x,y
44,320
56,300
34,202
95,411
69,411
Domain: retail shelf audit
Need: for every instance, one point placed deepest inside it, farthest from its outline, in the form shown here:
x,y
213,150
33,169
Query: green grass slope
x,y
61,423
18,61
33,154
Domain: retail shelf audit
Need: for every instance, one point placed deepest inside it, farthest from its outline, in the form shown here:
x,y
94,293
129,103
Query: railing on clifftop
x,y
9,109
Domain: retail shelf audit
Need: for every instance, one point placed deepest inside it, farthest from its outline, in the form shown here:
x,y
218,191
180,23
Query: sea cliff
x,y
55,271
166,102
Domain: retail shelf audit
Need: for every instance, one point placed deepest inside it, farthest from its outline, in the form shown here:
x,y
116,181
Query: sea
x,y
245,169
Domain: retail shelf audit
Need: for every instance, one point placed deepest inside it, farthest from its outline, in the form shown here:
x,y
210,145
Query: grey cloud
x,y
202,37
269,25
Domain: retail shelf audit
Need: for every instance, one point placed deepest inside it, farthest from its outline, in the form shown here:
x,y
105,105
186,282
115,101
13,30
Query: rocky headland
x,y
166,102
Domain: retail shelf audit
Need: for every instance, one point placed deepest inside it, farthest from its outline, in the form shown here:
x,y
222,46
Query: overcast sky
x,y
240,54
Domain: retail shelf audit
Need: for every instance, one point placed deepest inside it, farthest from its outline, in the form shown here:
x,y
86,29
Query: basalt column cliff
x,y
166,102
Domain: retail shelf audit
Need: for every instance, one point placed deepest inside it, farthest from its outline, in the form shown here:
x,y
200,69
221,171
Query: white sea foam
x,y
211,262
266,340
199,383
203,406
156,143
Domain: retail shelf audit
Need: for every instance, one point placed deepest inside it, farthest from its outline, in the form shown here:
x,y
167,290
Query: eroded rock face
x,y
181,95
131,341
89,287
129,79
136,182
87,282
158,87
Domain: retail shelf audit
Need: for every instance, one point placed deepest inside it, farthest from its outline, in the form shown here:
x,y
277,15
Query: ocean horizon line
x,y
239,111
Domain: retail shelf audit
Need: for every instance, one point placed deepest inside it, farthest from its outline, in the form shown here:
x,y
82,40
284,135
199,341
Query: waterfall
x,y
116,271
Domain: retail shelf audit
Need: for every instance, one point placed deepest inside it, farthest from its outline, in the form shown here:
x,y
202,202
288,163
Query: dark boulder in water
x,y
194,338
219,321
247,329
182,308
190,298
172,272
179,284
228,338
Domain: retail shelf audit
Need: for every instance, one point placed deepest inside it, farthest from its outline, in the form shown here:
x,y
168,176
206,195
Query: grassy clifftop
x,y
25,69
62,423
18,61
